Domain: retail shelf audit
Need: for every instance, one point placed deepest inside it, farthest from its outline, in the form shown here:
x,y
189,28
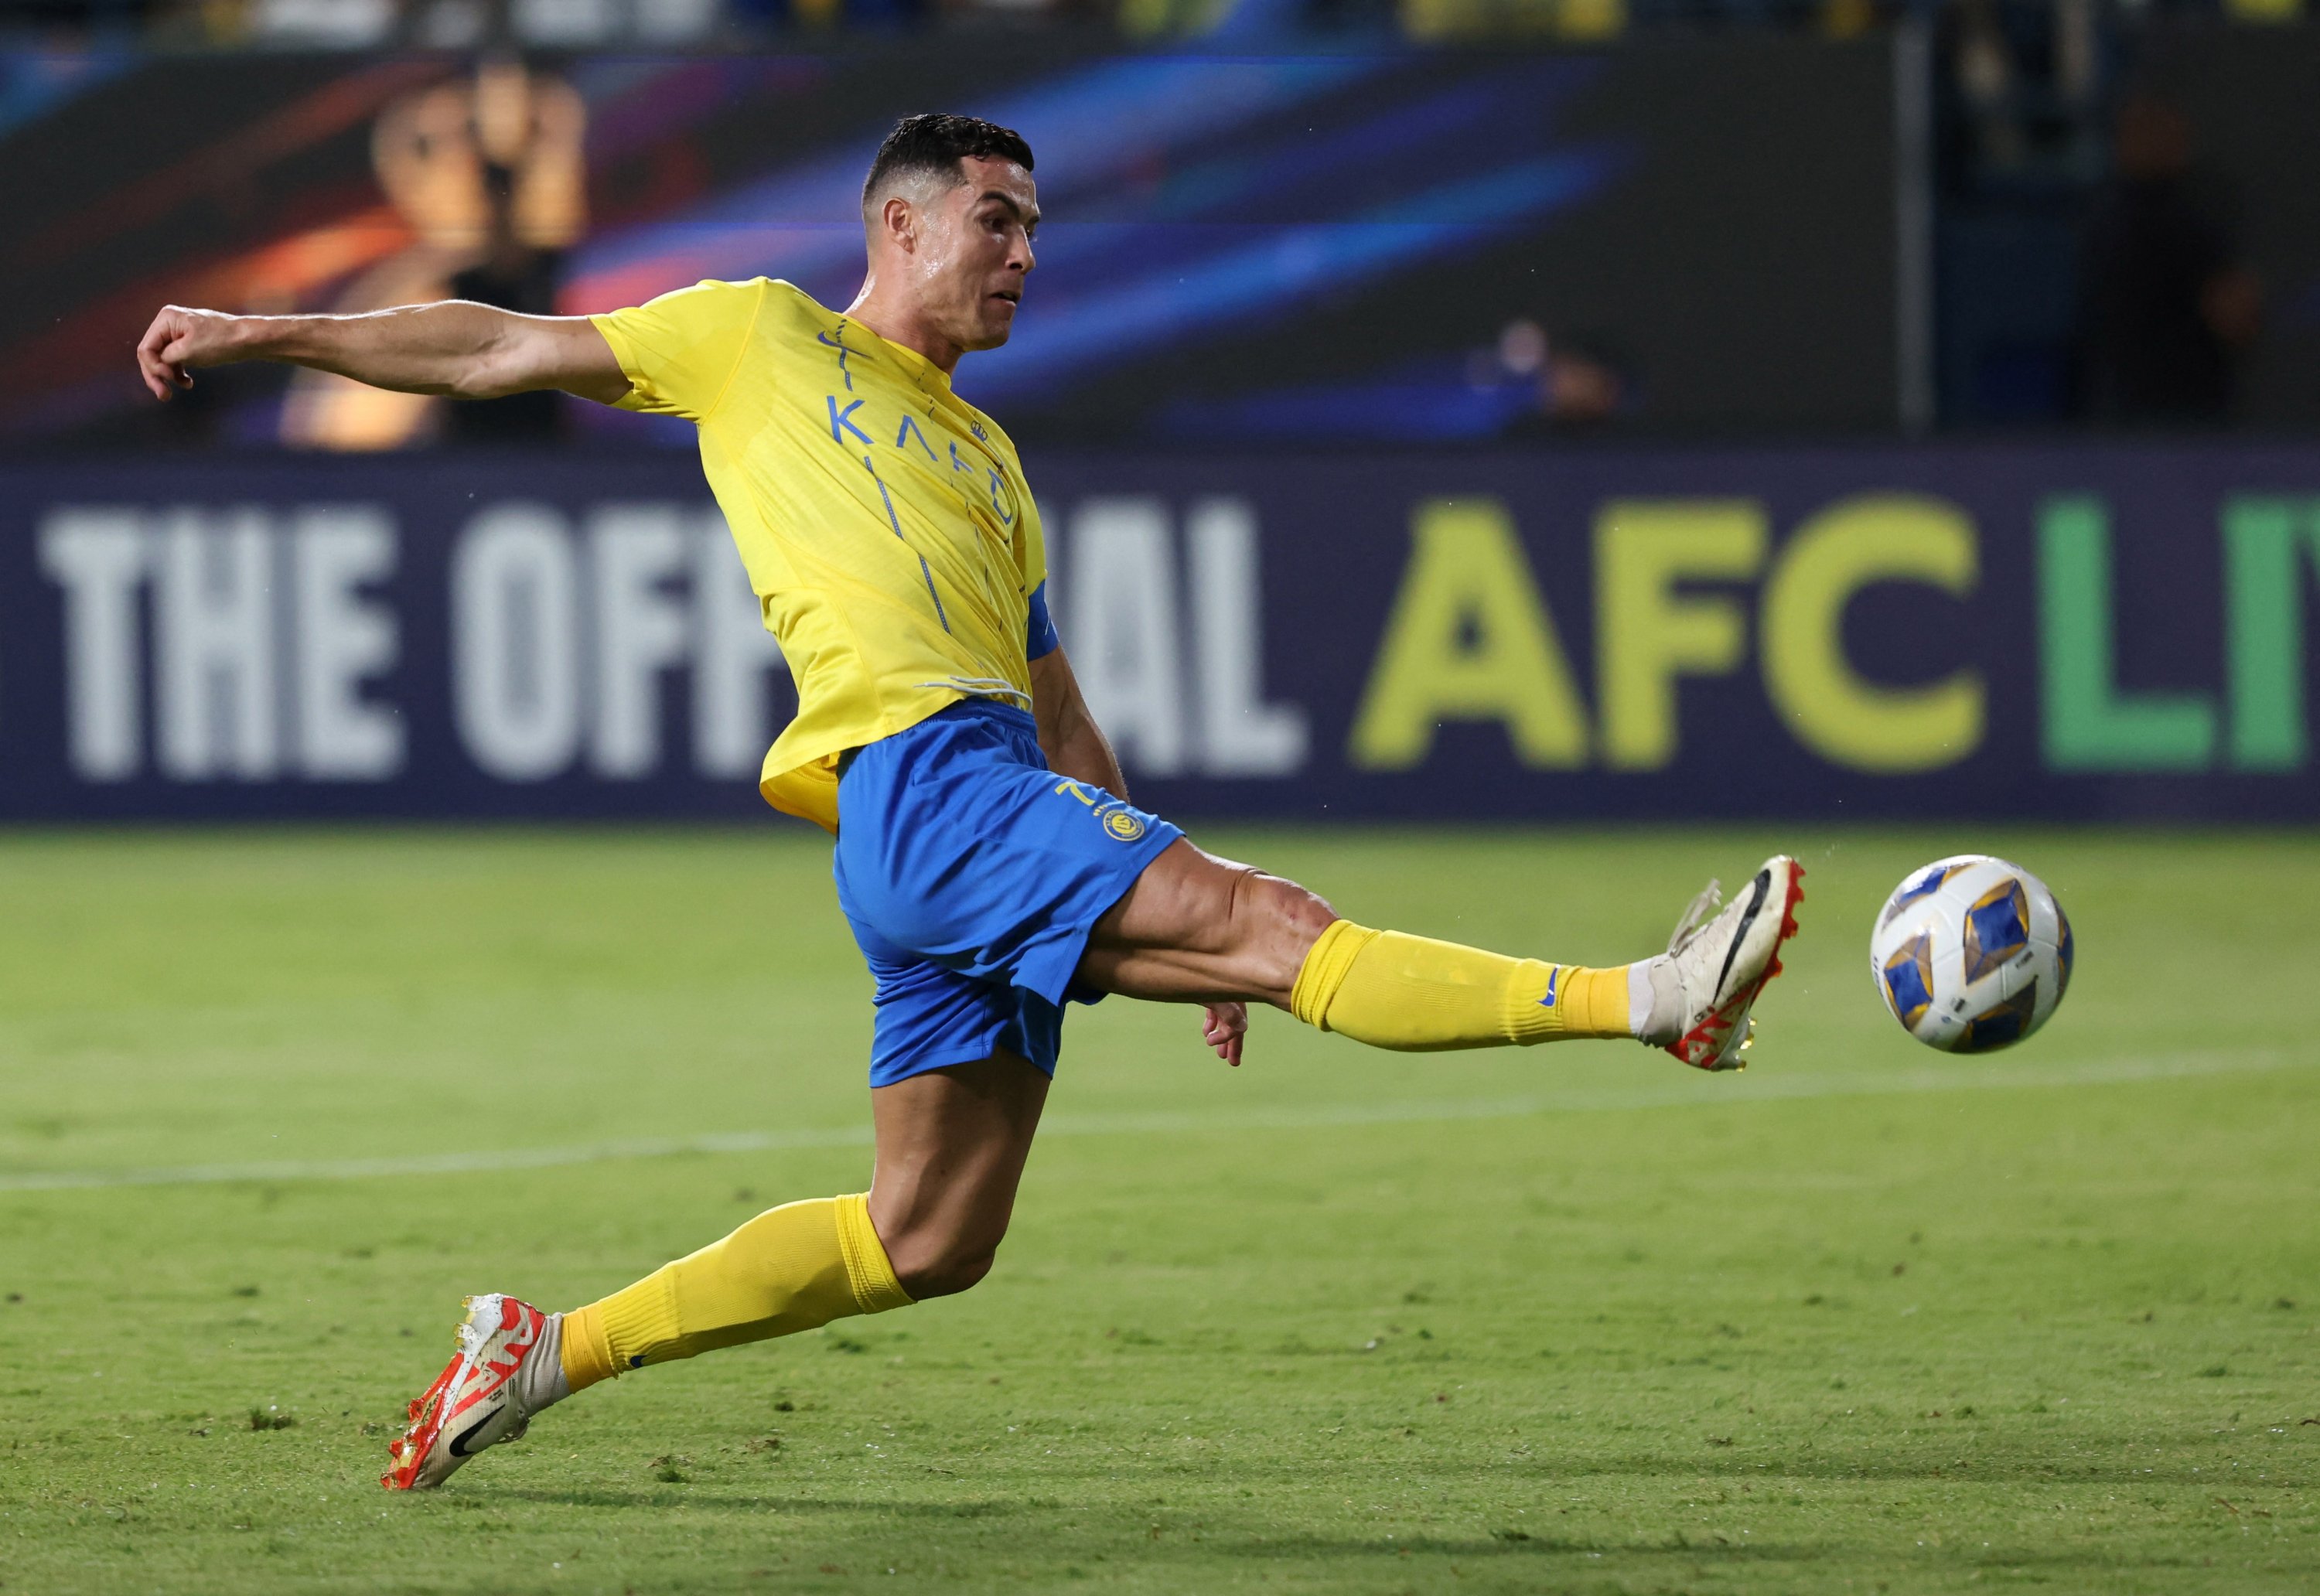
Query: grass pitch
x,y
1864,1319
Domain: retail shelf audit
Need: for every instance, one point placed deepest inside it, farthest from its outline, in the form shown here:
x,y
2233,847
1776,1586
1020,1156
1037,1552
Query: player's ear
x,y
900,220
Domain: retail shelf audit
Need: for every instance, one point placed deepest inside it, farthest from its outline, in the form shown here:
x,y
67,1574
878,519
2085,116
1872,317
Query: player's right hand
x,y
180,340
1222,1028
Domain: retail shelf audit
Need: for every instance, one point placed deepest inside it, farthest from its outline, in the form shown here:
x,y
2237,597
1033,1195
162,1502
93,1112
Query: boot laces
x,y
1711,897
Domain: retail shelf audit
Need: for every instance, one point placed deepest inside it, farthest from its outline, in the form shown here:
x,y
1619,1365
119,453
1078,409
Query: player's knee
x,y
1283,921
1288,913
1305,914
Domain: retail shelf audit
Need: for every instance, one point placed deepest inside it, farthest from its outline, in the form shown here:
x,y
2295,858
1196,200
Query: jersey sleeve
x,y
1041,640
680,350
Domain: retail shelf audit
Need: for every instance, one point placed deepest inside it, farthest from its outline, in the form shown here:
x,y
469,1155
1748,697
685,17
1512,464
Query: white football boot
x,y
1723,964
508,1367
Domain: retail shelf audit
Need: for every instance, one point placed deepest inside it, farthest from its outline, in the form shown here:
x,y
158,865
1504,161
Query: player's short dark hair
x,y
934,142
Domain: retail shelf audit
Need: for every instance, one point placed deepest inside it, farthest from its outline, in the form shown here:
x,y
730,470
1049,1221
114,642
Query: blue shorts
x,y
971,874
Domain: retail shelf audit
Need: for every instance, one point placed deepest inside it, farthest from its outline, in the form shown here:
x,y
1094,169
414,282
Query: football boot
x,y
480,1398
1723,960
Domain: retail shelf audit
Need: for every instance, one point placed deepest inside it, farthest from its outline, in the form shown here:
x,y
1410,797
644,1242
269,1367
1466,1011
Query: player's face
x,y
976,250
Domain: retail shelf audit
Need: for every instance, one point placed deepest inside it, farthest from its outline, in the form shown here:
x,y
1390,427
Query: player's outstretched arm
x,y
454,347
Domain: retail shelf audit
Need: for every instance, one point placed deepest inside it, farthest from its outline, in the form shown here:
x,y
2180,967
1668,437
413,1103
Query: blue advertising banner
x,y
2041,633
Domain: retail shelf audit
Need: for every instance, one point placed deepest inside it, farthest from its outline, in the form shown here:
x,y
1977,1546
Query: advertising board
x,y
1852,633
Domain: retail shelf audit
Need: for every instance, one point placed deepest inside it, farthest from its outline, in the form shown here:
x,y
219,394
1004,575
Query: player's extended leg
x,y
951,1146
951,1149
1197,928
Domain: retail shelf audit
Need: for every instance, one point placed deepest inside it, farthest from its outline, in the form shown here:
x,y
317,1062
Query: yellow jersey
x,y
884,520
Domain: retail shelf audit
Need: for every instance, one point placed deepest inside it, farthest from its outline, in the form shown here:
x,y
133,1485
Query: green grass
x,y
1864,1319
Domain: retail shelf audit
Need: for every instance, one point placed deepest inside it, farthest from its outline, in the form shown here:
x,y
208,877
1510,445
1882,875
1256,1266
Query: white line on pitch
x,y
1983,1076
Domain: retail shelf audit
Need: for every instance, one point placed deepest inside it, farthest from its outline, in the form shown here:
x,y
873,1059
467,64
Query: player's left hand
x,y
179,339
1223,1027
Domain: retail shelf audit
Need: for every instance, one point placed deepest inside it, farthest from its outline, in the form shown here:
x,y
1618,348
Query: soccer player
x,y
987,855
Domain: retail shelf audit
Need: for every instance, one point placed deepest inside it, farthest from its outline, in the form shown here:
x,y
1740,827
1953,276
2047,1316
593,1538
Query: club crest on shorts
x,y
1125,825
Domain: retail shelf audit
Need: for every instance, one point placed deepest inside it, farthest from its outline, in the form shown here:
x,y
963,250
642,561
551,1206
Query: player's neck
x,y
897,322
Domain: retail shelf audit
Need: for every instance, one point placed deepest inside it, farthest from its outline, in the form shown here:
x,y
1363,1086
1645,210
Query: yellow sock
x,y
1418,996
792,1268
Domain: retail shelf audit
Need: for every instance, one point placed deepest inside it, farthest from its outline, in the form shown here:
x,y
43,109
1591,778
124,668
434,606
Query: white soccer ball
x,y
1971,954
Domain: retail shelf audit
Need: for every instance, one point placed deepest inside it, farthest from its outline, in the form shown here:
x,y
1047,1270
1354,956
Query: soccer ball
x,y
1971,954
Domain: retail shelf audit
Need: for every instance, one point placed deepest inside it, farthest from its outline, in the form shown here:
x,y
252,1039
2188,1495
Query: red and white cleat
x,y
486,1395
1723,964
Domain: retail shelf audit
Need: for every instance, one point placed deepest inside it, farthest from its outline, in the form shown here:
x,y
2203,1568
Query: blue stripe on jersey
x,y
1042,640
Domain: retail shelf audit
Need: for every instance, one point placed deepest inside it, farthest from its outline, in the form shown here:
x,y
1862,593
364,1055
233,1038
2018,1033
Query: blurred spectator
x,y
2020,88
1983,67
1575,385
1582,389
2167,300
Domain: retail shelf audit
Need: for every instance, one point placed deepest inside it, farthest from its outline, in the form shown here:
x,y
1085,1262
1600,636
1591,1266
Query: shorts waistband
x,y
990,708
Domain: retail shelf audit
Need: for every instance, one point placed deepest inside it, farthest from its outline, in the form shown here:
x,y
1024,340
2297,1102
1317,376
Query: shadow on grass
x,y
710,1499
2086,1567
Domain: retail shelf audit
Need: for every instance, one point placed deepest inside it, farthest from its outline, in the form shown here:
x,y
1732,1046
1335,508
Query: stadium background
x,y
1506,460
1569,365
